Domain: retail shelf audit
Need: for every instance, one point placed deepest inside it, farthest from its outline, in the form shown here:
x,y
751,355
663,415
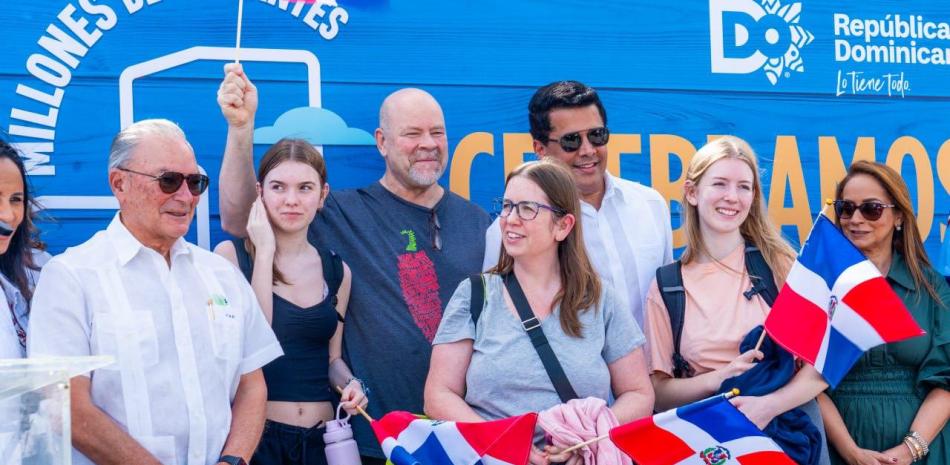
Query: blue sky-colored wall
x,y
666,85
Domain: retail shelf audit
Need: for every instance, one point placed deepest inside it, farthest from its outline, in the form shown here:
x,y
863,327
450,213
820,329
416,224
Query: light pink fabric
x,y
580,420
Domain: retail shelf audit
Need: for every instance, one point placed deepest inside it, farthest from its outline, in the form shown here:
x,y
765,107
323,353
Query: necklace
x,y
20,332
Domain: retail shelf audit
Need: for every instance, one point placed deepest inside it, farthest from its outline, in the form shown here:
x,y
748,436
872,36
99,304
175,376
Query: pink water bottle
x,y
340,447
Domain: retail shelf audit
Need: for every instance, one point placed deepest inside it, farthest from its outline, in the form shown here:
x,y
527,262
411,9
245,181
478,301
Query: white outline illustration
x,y
173,60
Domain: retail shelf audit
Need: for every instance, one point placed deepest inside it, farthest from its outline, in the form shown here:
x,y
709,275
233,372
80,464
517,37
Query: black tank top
x,y
302,373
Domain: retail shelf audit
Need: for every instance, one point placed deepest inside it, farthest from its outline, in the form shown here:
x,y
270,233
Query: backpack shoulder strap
x,y
332,274
669,280
477,302
763,281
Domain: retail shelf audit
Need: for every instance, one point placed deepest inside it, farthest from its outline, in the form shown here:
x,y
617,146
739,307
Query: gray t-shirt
x,y
506,377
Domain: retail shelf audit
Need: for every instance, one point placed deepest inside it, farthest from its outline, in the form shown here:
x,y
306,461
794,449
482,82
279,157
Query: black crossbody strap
x,y
477,303
532,326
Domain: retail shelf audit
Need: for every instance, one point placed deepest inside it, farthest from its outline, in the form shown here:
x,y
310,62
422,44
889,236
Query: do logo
x,y
748,35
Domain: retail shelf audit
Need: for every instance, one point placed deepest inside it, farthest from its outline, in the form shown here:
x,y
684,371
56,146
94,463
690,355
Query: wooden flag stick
x,y
586,443
237,46
761,340
734,392
358,408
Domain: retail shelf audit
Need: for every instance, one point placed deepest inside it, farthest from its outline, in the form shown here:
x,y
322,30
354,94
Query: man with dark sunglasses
x,y
626,224
183,324
407,240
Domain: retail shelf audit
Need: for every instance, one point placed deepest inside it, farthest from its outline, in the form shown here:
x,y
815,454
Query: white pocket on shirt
x,y
226,327
162,447
140,331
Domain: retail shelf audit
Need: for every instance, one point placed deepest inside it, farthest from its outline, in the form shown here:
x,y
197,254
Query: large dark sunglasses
x,y
572,141
527,210
170,181
871,211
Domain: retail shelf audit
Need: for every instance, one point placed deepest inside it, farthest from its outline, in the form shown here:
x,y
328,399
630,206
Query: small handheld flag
x,y
407,439
836,305
708,432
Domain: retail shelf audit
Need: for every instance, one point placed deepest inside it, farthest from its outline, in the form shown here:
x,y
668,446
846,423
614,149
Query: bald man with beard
x,y
407,240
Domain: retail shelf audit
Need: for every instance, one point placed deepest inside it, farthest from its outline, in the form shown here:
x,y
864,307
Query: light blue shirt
x,y
10,346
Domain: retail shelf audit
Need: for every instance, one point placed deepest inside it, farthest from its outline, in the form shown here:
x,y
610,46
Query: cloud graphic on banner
x,y
318,126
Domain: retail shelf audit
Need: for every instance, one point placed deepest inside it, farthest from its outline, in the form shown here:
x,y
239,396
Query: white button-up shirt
x,y
627,239
182,336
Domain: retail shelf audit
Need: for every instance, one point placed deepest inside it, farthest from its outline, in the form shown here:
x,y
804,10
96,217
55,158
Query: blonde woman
x,y
724,213
893,406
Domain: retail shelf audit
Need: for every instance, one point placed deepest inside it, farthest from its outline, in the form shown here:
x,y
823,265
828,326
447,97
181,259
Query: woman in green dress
x,y
893,405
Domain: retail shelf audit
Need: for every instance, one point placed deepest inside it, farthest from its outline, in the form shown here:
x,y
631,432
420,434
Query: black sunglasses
x,y
871,211
170,181
571,141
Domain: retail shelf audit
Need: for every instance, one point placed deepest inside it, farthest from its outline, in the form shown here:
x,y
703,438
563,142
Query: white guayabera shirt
x,y
626,240
182,337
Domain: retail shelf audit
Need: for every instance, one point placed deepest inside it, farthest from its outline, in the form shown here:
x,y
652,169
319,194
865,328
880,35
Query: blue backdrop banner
x,y
811,85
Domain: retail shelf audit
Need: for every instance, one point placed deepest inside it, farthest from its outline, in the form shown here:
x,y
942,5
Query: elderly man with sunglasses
x,y
183,324
626,224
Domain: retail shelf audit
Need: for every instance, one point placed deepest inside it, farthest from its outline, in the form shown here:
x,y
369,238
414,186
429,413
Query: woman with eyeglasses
x,y
303,292
727,232
486,368
21,255
893,406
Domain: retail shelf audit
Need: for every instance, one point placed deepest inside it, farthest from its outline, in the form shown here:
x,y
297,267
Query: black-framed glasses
x,y
170,181
436,230
871,211
572,141
527,210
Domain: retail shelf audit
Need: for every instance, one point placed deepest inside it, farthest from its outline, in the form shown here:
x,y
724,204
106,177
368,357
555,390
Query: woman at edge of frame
x,y
893,406
21,254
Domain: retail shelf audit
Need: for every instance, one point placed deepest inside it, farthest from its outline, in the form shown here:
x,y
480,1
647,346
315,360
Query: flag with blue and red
x,y
708,432
408,439
835,305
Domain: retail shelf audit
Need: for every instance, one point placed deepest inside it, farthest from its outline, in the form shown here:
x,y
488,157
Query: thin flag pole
x,y
358,408
585,443
237,46
728,395
824,209
758,344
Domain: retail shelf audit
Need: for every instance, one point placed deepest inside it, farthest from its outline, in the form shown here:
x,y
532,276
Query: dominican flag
x,y
407,439
835,305
708,432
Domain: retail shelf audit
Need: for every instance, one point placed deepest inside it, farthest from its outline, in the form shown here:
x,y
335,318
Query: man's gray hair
x,y
127,139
